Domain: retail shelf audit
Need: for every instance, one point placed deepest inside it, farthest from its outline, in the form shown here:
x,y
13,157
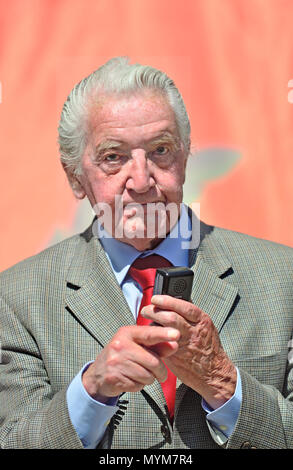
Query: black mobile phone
x,y
175,281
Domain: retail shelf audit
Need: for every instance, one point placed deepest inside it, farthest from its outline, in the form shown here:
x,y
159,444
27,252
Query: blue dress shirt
x,y
89,417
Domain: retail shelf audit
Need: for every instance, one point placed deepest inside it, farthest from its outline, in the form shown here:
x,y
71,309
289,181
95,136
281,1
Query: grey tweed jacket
x,y
58,309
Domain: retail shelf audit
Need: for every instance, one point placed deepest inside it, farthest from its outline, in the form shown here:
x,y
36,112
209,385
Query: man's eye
x,y
113,157
161,150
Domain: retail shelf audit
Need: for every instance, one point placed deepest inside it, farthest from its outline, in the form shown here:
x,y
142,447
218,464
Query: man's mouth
x,y
144,203
135,208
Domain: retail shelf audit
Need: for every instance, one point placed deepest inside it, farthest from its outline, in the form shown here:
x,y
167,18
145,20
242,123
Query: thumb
x,y
165,349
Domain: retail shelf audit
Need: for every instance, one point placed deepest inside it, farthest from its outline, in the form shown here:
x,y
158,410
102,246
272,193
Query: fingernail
x,y
157,299
172,334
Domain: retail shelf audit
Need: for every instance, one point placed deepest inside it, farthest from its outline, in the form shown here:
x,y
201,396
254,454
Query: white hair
x,y
117,76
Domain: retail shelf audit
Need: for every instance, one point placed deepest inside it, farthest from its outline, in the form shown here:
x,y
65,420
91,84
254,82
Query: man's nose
x,y
140,179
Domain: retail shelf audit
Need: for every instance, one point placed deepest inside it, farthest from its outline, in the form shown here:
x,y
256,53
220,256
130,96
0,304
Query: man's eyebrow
x,y
107,144
165,137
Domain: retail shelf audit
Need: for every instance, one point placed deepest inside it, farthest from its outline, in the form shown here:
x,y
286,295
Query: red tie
x,y
143,271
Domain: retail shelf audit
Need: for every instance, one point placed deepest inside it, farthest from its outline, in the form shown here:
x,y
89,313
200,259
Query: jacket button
x,y
247,445
166,433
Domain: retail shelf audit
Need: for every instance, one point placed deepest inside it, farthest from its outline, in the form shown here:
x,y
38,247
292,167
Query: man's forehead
x,y
130,110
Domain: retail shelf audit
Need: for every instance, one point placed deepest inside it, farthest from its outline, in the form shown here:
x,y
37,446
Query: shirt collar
x,y
121,255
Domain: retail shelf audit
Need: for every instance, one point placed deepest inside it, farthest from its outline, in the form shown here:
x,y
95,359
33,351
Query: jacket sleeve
x,y
32,415
266,415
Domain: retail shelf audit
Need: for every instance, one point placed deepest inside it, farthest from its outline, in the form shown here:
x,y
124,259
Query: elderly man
x,y
88,358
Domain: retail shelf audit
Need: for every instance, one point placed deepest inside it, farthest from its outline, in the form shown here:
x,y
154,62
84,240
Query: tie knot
x,y
143,270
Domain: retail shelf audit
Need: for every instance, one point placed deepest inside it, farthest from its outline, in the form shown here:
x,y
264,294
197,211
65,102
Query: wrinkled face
x,y
134,165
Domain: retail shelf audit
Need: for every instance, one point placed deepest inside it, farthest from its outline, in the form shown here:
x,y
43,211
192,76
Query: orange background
x,y
232,61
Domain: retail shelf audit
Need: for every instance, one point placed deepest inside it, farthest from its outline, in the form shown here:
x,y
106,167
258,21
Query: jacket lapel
x,y
94,296
213,295
213,291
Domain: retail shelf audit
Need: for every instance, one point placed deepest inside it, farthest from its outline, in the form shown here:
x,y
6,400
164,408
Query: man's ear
x,y
74,182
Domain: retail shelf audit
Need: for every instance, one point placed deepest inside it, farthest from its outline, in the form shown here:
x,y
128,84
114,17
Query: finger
x,y
140,375
186,309
138,357
151,335
165,318
165,350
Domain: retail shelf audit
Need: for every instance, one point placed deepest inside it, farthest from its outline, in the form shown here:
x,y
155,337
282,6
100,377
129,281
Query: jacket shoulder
x,y
50,265
246,249
238,240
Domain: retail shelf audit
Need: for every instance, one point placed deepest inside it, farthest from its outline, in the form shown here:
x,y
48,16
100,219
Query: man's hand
x,y
127,363
200,361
